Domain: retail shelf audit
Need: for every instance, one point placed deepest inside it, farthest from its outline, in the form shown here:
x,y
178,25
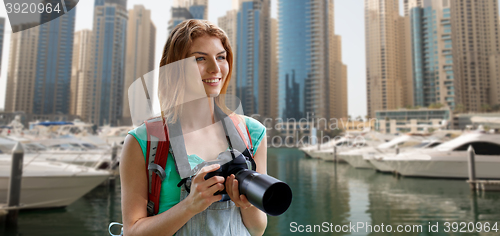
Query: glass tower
x,y
432,54
311,76
53,67
294,57
107,64
247,75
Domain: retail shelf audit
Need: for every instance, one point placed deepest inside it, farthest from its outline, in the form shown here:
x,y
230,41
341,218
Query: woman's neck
x,y
197,114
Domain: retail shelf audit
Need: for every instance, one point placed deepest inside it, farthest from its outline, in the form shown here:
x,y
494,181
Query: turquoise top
x,y
170,193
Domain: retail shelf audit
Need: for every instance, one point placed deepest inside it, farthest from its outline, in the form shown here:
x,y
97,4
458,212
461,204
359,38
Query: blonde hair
x,y
177,47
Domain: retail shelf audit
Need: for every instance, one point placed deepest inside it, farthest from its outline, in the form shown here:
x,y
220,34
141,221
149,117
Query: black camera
x,y
267,193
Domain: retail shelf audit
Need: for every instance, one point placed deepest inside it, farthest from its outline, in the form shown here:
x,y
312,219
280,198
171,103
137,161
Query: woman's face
x,y
211,59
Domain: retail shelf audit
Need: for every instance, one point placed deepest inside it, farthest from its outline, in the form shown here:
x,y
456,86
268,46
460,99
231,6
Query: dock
x,y
475,184
485,185
3,214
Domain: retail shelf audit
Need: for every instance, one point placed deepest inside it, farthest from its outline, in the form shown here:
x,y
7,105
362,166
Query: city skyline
x,y
216,9
352,46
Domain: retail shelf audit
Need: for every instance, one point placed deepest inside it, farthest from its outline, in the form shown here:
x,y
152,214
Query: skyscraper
x,y
273,92
386,61
253,60
431,51
187,9
141,38
308,62
228,24
2,30
338,79
475,29
53,69
107,62
22,70
80,76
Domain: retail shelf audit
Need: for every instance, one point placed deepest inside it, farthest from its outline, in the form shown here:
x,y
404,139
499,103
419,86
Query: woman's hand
x,y
234,193
202,191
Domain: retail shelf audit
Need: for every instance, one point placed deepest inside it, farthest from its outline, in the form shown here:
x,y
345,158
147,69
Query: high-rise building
x,y
309,65
253,59
431,50
228,24
474,31
338,79
274,69
187,9
495,80
2,30
53,66
107,62
22,69
387,82
141,38
80,97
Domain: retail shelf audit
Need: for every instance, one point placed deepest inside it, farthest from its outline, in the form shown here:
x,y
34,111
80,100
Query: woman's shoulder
x,y
256,129
141,135
252,124
139,131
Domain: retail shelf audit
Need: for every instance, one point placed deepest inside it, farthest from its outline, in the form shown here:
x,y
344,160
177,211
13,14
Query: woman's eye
x,y
221,58
200,58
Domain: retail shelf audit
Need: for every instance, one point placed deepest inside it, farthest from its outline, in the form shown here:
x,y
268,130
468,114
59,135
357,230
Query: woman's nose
x,y
213,66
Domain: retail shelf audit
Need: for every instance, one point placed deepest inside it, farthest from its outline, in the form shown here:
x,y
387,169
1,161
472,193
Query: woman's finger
x,y
229,186
214,188
200,177
214,180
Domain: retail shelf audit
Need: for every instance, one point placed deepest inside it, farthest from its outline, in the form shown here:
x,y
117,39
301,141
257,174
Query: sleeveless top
x,y
170,194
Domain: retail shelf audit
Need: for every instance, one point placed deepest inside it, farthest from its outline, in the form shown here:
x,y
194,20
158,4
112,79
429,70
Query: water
x,y
323,192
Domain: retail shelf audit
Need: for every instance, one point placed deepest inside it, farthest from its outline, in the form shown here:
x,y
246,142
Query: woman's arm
x,y
254,219
134,196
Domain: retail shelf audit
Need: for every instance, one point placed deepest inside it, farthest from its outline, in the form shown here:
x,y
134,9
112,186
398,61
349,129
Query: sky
x,y
349,24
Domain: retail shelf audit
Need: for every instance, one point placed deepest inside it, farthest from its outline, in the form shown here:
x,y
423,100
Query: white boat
x,y
347,142
67,150
359,158
328,154
378,161
450,159
327,148
50,184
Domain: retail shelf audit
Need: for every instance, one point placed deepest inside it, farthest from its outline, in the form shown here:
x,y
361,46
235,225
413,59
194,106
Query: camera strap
x,y
235,137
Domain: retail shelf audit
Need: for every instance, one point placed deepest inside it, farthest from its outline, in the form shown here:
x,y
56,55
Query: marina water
x,y
322,192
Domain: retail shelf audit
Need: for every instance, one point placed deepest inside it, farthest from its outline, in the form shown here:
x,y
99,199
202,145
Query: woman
x,y
182,213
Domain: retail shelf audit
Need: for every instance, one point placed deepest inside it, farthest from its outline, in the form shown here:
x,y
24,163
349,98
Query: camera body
x,y
265,192
240,163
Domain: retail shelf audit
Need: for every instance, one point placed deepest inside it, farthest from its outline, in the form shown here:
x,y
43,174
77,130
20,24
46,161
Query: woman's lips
x,y
211,82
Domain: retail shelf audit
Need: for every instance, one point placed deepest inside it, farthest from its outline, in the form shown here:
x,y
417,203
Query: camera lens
x,y
267,193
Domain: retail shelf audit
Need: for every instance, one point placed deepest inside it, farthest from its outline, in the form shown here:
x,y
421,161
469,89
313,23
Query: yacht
x,y
378,160
67,150
347,142
359,158
327,148
48,184
328,154
450,159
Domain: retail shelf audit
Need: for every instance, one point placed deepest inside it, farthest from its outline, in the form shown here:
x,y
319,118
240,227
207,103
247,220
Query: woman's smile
x,y
214,81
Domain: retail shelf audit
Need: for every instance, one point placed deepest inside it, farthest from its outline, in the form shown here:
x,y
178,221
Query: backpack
x,y
158,147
